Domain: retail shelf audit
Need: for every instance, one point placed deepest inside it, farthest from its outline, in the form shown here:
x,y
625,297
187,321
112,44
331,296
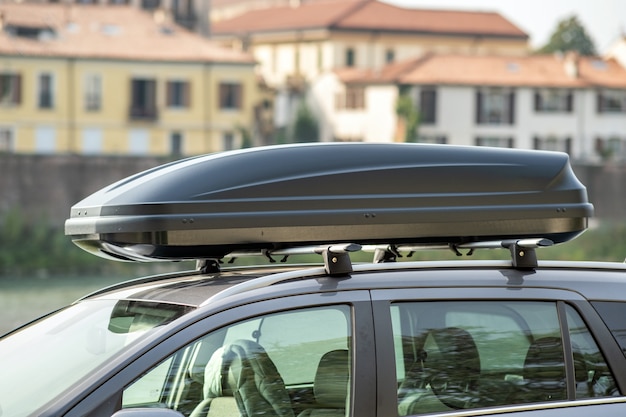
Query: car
x,y
330,336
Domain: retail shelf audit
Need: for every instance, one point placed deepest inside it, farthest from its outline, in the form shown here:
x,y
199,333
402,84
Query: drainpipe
x,y
71,111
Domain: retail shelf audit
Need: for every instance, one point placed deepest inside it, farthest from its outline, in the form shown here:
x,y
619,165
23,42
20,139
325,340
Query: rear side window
x,y
613,314
463,355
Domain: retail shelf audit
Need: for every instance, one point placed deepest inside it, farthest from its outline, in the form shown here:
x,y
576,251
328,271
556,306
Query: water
x,y
26,298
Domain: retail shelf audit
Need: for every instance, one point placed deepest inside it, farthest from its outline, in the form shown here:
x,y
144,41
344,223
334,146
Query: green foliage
x,y
570,35
306,127
407,111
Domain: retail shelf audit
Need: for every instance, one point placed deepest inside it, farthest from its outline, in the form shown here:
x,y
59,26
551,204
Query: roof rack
x,y
337,256
278,197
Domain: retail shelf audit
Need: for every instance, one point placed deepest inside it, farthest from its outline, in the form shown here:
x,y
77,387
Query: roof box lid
x,y
295,195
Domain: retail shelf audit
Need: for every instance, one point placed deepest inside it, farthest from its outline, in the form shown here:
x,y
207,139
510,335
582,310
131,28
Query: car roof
x,y
594,280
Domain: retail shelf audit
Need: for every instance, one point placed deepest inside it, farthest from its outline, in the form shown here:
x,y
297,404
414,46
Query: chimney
x,y
571,64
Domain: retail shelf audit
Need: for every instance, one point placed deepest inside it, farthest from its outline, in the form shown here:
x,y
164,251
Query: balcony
x,y
145,114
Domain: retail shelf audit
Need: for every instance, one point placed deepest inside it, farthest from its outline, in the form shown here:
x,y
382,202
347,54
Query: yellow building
x,y
97,79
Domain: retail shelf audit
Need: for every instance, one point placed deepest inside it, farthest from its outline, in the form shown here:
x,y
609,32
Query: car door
x,y
478,350
313,351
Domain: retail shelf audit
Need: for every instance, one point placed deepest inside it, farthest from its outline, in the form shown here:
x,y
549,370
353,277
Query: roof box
x,y
294,195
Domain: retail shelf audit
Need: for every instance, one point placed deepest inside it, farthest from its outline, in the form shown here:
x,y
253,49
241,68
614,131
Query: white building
x,y
469,74
572,104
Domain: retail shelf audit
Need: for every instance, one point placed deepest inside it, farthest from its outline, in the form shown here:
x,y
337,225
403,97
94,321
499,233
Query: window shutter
x,y
169,93
568,146
537,101
599,102
512,108
570,102
151,95
187,94
17,90
479,107
536,142
239,96
511,142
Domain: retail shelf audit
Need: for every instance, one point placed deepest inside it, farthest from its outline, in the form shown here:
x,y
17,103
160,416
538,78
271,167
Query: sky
x,y
604,20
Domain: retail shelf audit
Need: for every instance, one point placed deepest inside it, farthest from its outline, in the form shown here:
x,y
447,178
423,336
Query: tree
x,y
406,110
306,127
570,35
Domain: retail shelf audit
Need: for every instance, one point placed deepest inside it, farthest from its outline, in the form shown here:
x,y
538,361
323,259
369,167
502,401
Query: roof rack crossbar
x,y
522,250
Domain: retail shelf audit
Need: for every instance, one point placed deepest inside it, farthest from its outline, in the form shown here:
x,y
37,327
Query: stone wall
x,y
49,185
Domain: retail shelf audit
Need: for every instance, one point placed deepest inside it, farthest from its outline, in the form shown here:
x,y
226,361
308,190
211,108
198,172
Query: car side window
x,y
286,364
613,313
468,354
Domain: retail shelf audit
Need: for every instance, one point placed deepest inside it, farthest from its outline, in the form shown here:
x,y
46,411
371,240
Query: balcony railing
x,y
148,114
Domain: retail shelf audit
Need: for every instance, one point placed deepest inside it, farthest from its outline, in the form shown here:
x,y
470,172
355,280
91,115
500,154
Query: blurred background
x,y
94,91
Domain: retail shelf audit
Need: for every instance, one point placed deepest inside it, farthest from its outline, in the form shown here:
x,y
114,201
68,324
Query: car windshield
x,y
52,354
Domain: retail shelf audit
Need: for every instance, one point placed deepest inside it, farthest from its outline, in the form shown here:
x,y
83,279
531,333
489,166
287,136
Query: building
x,y
470,75
567,103
297,44
99,79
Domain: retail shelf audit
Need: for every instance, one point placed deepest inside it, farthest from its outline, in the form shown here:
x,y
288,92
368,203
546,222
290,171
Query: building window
x,y
92,141
138,142
45,140
353,98
46,93
390,56
554,100
553,143
495,106
230,96
428,106
176,143
611,148
350,57
93,92
177,94
228,141
6,139
150,4
143,99
611,101
437,139
10,89
495,141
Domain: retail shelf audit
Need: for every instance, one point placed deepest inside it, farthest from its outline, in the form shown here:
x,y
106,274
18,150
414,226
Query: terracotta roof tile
x,y
528,71
317,14
369,15
110,32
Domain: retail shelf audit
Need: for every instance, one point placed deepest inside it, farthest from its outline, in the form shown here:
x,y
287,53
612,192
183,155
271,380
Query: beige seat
x,y
217,390
241,380
330,386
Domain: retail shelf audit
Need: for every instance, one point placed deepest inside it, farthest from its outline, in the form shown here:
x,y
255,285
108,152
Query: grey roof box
x,y
295,195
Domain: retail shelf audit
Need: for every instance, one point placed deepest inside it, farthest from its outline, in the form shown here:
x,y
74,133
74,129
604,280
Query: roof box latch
x,y
337,258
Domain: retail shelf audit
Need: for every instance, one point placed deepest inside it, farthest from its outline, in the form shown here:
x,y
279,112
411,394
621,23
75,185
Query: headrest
x,y
216,376
457,352
544,361
332,379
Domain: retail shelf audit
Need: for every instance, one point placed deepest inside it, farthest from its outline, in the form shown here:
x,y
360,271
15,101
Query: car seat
x,y
330,386
544,372
445,378
257,386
